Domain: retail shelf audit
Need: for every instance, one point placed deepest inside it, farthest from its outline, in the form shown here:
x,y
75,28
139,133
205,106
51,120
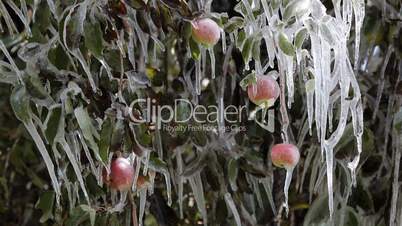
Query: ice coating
x,y
264,92
206,31
285,155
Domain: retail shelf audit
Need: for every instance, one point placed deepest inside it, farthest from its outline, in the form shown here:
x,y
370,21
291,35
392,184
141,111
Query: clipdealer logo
x,y
204,117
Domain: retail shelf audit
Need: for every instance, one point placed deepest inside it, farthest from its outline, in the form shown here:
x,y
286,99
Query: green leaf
x,y
137,4
93,38
45,204
105,139
52,124
285,45
247,49
195,49
117,136
19,101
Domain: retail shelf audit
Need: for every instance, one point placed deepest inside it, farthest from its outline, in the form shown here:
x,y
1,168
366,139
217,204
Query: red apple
x,y
285,155
121,174
206,31
264,92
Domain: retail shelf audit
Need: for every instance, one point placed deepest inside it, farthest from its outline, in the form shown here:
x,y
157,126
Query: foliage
x,y
69,71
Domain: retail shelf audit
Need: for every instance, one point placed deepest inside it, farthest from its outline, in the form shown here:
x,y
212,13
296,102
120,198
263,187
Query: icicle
x,y
20,15
266,9
52,8
107,68
130,50
380,88
223,35
310,155
289,173
180,180
221,120
267,183
359,11
168,187
77,53
257,192
143,201
229,201
10,59
283,110
212,60
74,163
119,207
310,102
196,186
158,141
329,158
137,173
7,18
46,157
198,77
357,120
396,144
146,163
289,79
87,154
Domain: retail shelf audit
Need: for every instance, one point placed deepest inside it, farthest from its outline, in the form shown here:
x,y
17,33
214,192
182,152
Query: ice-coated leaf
x,y
285,45
52,124
196,165
247,50
105,139
232,206
297,8
301,35
233,24
93,38
88,130
250,79
233,171
195,49
19,101
91,212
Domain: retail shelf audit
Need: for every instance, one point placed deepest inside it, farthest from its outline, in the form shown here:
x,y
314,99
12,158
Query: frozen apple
x,y
121,174
264,91
206,31
285,155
